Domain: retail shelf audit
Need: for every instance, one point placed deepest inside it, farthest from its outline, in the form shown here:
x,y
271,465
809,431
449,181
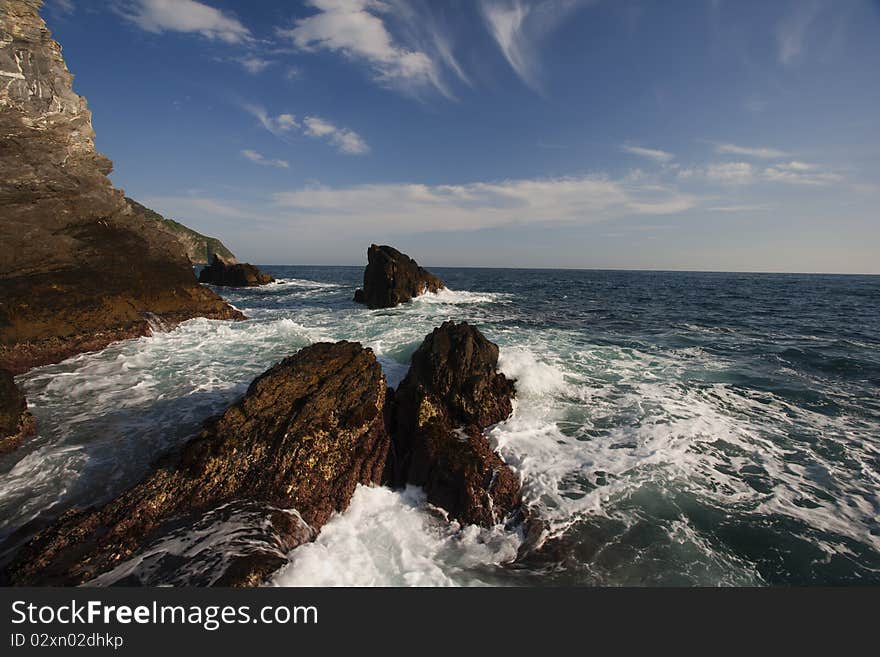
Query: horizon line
x,y
613,269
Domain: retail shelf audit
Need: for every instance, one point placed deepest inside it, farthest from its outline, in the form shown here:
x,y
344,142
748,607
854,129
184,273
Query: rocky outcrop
x,y
16,423
306,433
392,277
79,268
200,249
451,394
233,274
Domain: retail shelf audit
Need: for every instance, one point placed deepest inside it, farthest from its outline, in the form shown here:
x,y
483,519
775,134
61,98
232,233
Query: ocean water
x,y
671,429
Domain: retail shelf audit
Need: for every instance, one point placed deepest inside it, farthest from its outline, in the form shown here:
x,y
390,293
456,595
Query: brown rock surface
x,y
78,268
16,423
233,274
452,393
307,431
392,277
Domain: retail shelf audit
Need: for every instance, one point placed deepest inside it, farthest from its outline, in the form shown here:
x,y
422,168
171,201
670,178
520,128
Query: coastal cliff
x,y
200,249
80,268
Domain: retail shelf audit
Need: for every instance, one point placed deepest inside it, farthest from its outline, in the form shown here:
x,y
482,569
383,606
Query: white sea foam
x,y
595,426
389,538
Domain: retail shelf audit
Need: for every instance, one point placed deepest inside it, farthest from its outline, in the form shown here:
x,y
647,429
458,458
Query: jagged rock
x,y
452,393
307,431
16,423
78,268
233,274
198,248
392,277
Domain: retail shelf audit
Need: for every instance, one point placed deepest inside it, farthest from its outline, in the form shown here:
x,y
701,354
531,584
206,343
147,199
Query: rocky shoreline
x,y
82,267
305,434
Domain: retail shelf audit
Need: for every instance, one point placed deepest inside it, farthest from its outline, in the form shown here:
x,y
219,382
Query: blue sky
x,y
711,135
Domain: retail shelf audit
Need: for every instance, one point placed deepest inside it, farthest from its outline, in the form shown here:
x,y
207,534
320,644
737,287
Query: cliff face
x,y
200,249
79,268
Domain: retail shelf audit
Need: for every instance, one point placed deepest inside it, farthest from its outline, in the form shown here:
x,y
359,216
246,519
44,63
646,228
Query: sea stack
x,y
392,277
233,274
79,268
16,423
306,433
452,393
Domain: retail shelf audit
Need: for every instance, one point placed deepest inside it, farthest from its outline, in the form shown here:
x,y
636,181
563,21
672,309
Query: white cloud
x,y
792,30
795,173
721,172
62,6
650,153
520,27
745,151
798,176
355,29
257,158
184,16
254,64
277,125
345,140
413,208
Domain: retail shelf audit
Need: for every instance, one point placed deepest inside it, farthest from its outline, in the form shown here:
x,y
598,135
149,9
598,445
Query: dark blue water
x,y
671,428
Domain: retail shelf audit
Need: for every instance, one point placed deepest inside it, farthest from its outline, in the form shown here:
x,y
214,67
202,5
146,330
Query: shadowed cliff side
x,y
200,249
79,268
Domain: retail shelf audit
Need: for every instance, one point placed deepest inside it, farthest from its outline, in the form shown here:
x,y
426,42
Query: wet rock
x,y
16,423
233,274
306,433
79,267
392,277
451,394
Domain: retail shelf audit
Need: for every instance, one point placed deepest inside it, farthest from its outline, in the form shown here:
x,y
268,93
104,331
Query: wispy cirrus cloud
x,y
61,6
791,32
254,64
258,158
801,173
279,125
357,29
283,125
519,28
654,154
414,208
763,153
742,173
345,140
184,16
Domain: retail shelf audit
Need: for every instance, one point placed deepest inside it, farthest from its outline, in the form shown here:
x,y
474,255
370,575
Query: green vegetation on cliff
x,y
199,248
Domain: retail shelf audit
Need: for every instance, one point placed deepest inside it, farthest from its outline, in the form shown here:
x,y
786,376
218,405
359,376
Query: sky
x,y
722,135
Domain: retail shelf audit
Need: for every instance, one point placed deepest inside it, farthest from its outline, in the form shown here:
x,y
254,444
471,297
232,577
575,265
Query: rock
x,y
306,433
198,248
16,423
79,268
392,277
451,394
233,274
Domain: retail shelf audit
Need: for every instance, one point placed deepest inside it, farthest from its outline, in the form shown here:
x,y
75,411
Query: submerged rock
x,y
306,433
451,394
79,267
233,274
16,423
392,277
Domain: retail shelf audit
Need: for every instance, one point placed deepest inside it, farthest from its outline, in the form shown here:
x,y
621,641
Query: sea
x,y
670,428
